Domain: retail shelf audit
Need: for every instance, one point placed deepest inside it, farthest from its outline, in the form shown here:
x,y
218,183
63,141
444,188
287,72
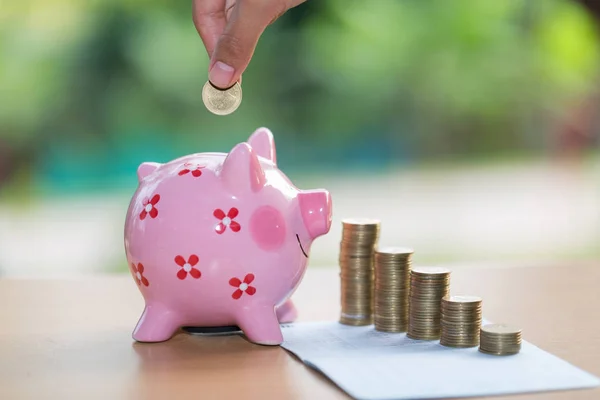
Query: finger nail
x,y
221,75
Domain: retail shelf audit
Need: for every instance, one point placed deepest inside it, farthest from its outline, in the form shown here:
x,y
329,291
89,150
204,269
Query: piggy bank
x,y
217,239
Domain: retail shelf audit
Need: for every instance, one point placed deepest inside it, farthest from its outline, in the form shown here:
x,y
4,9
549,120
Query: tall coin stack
x,y
359,240
392,286
428,285
500,339
461,321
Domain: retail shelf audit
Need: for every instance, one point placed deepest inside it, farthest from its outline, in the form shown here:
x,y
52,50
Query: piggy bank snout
x,y
315,206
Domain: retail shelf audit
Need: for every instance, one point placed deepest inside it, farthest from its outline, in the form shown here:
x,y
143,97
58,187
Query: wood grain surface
x,y
71,339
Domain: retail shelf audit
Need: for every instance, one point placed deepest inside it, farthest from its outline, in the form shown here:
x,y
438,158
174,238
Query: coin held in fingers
x,y
221,101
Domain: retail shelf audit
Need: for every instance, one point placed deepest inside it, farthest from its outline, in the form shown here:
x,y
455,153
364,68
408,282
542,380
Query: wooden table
x,y
71,339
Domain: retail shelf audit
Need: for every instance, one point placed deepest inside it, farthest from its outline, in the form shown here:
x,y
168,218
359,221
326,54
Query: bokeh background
x,y
469,127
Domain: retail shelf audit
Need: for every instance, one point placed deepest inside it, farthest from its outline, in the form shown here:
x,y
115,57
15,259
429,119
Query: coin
x,y
500,339
221,101
432,271
359,241
501,329
366,222
463,299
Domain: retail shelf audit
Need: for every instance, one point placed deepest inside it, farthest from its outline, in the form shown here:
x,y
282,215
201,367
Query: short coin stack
x,y
461,321
500,339
392,286
428,285
359,241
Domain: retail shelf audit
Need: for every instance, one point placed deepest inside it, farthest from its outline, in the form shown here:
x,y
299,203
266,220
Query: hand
x,y
230,30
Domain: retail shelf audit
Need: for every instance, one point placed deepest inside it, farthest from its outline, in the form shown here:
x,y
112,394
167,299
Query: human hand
x,y
230,30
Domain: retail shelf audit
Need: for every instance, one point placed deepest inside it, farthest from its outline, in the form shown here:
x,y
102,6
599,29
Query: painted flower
x,y
226,220
187,267
149,207
194,169
242,287
138,273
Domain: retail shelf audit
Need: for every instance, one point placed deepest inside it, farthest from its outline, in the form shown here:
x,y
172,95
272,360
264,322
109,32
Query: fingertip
x,y
221,75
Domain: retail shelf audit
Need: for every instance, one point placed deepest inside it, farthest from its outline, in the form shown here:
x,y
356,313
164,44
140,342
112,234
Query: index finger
x,y
210,19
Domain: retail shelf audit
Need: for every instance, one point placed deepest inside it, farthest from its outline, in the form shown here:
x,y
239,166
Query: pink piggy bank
x,y
216,239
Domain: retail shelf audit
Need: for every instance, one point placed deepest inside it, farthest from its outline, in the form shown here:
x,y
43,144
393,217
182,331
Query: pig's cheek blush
x,y
267,228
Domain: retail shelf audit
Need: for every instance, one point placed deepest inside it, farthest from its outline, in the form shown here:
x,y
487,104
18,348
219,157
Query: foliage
x,y
112,83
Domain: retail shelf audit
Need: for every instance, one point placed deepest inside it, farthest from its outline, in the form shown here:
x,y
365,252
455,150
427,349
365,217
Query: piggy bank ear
x,y
146,169
263,143
242,170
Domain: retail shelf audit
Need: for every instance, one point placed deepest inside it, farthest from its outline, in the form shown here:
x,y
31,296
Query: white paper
x,y
373,365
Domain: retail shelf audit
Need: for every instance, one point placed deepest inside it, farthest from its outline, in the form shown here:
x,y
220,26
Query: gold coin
x,y
361,221
219,101
392,251
501,329
430,270
463,299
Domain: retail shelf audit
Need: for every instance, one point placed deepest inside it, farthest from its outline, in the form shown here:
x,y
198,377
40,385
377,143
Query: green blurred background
x,y
470,127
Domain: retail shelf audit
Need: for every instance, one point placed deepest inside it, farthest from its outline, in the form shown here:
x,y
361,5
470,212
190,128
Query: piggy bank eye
x,y
267,228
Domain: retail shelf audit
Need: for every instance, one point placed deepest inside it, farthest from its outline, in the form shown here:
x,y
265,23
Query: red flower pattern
x,y
242,287
149,207
138,273
194,169
226,220
188,267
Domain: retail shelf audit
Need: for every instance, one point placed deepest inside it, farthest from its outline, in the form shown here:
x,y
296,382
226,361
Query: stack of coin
x,y
500,339
461,321
392,285
359,241
428,285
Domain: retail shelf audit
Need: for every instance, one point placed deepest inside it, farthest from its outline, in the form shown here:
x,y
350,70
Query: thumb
x,y
236,45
